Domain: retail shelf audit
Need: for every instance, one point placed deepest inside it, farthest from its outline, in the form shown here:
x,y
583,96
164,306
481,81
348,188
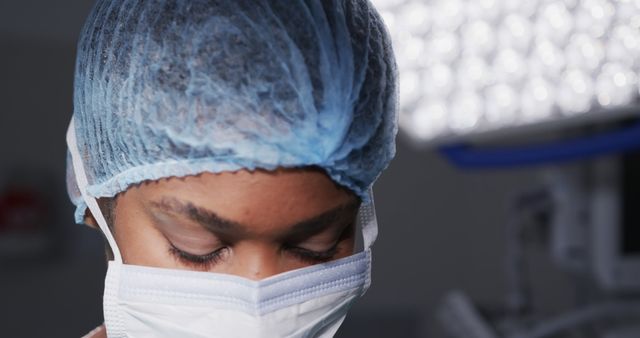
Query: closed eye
x,y
310,256
315,256
204,262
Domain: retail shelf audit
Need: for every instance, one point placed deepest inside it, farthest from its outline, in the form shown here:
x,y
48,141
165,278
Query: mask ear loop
x,y
369,221
83,183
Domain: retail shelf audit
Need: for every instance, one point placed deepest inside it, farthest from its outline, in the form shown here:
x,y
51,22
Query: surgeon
x,y
226,150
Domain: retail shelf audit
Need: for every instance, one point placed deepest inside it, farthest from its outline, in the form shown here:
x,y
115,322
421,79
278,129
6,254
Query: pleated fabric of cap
x,y
179,87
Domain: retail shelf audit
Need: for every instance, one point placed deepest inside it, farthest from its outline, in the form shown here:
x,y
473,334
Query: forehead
x,y
262,198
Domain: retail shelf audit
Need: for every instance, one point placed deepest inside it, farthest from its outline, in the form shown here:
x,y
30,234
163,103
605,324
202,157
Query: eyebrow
x,y
213,222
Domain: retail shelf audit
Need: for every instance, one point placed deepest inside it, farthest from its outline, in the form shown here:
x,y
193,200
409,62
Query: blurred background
x,y
509,211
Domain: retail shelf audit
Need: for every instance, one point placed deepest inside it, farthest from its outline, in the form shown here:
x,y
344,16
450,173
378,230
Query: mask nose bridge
x,y
83,183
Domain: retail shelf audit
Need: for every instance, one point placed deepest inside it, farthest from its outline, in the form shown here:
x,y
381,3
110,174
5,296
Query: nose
x,y
255,260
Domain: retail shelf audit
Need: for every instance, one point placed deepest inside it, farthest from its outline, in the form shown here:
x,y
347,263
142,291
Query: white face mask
x,y
153,302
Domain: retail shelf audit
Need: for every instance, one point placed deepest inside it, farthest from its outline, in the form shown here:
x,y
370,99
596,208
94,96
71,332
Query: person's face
x,y
250,224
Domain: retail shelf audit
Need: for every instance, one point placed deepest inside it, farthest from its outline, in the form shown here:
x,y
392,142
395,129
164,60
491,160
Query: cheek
x,y
347,247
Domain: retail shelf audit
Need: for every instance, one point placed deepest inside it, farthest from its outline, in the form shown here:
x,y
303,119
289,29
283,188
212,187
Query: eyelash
x,y
313,257
213,258
199,261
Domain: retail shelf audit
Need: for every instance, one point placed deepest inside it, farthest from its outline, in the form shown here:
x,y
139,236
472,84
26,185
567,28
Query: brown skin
x,y
252,224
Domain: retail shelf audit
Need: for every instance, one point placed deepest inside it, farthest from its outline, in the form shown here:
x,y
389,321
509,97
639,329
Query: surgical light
x,y
471,67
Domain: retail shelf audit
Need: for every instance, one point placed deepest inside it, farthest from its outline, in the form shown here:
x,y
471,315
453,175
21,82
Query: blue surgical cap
x,y
179,87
